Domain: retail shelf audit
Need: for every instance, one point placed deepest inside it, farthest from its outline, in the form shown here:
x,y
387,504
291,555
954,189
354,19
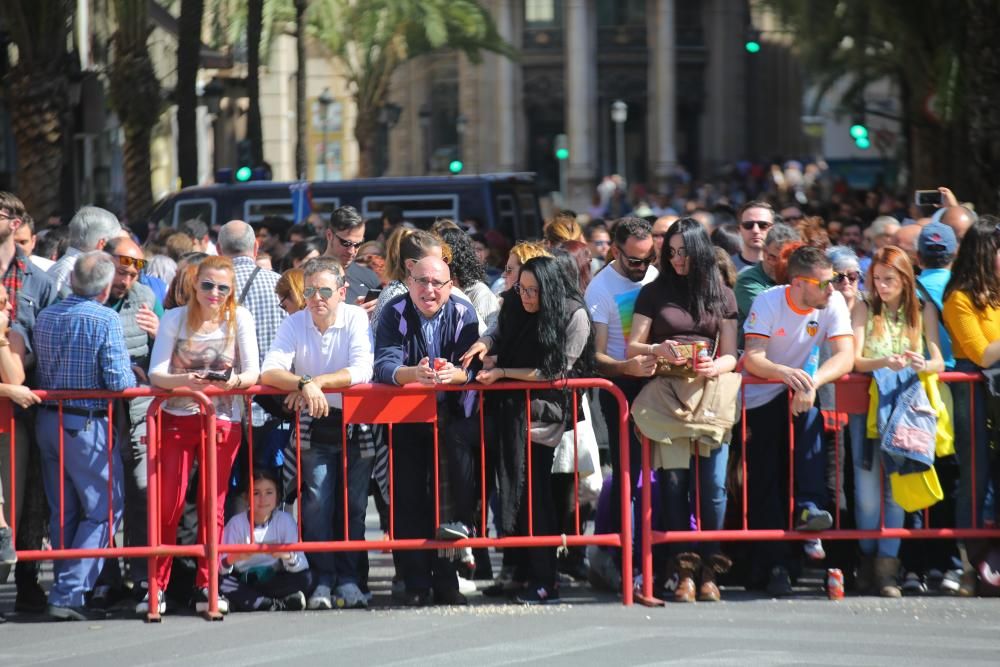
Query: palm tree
x,y
372,39
186,94
301,7
37,94
135,97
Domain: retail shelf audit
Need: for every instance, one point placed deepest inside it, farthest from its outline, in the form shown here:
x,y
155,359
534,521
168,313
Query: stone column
x,y
724,122
581,111
507,97
663,91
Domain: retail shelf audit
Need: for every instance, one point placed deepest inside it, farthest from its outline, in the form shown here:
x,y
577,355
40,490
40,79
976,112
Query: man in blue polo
x,y
80,345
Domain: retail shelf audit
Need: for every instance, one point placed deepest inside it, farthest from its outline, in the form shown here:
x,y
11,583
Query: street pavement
x,y
587,629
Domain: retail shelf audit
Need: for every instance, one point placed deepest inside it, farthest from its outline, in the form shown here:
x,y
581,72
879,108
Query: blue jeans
x,y
678,497
323,511
871,491
84,480
970,441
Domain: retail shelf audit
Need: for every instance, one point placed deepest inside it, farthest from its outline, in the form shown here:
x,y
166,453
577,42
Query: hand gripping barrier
x,y
855,383
362,404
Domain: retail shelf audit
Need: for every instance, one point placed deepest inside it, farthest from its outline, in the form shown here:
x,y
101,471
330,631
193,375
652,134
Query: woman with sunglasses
x,y
210,342
542,333
890,330
972,316
689,305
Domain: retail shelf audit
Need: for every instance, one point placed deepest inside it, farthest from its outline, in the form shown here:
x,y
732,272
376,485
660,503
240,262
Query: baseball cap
x,y
937,240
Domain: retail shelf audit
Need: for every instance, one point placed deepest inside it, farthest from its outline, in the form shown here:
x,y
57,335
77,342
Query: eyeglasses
x,y
208,286
763,225
636,262
530,292
601,243
430,282
324,292
507,270
676,252
822,284
8,216
852,276
125,260
349,244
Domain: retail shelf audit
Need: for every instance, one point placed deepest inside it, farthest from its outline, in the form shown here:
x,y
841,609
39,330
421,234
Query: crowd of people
x,y
675,308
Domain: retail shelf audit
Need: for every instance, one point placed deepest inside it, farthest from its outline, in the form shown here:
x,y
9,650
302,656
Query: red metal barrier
x,y
362,404
858,397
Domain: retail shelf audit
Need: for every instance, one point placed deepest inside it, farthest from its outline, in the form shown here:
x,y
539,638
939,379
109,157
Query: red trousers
x,y
180,444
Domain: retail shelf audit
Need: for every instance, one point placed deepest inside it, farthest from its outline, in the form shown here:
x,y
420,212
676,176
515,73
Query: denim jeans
x,y
84,483
323,509
872,491
970,442
678,497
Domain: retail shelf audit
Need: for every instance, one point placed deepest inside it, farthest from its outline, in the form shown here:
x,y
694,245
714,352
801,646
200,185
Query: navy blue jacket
x,y
399,341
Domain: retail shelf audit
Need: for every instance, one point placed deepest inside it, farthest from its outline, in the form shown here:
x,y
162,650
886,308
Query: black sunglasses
x,y
349,244
750,224
635,262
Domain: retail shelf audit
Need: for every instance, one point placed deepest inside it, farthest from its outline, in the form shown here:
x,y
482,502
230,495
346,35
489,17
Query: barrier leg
x,y
211,526
626,499
153,509
645,596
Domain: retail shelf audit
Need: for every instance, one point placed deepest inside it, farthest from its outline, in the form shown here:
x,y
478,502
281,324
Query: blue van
x,y
505,202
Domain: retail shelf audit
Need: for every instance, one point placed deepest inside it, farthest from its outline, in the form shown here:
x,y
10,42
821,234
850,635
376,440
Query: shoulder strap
x,y
246,288
926,296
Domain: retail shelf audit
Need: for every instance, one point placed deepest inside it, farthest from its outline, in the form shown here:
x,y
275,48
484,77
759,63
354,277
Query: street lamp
x,y
425,125
619,114
325,100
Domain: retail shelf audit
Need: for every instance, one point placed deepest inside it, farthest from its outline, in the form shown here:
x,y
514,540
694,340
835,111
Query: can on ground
x,y
835,584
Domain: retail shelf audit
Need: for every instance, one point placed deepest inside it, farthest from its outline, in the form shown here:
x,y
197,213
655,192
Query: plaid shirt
x,y
13,280
80,345
263,304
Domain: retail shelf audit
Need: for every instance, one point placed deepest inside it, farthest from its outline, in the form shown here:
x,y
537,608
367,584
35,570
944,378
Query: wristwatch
x,y
304,380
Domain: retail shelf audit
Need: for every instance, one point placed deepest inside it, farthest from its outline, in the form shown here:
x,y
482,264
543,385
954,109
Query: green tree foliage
x,y
372,39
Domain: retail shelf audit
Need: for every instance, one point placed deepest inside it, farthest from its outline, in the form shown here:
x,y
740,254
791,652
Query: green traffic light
x,y
243,174
863,143
455,166
859,131
562,153
752,46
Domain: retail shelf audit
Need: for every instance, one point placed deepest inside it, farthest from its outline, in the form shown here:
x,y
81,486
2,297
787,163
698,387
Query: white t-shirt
x,y
791,333
279,529
611,299
300,345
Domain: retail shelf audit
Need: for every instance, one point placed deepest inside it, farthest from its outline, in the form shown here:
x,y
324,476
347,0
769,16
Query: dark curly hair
x,y
465,268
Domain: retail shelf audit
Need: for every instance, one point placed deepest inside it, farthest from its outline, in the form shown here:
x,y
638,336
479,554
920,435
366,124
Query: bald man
x,y
420,338
905,239
959,218
660,228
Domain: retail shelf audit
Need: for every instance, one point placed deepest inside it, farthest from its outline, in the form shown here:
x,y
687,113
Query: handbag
x,y
916,490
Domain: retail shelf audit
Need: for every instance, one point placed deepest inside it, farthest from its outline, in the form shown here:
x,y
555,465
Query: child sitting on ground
x,y
265,581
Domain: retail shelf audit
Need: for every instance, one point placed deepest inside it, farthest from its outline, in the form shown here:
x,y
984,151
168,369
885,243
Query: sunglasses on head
x,y
324,292
125,260
208,286
852,276
349,244
635,262
750,224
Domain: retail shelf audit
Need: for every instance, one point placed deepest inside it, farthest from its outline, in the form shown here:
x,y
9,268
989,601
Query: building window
x,y
542,13
615,13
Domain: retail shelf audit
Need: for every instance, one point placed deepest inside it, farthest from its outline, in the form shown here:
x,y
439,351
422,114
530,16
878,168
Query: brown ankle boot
x,y
716,564
687,565
887,575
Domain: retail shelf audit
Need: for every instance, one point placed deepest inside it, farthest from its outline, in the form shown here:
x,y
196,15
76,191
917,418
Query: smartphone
x,y
927,198
215,376
372,295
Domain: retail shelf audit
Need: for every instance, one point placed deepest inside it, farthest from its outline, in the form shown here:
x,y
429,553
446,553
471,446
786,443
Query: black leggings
x,y
244,596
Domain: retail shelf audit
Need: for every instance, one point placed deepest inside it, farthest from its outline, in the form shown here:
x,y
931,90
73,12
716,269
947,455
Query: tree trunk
x,y
255,16
186,95
981,103
39,132
301,115
138,188
366,134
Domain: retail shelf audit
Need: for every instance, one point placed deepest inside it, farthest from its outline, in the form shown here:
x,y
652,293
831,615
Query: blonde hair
x,y
525,250
560,229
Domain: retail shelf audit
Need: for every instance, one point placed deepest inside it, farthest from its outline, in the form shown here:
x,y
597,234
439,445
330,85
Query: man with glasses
x,y
611,299
344,235
420,338
786,327
755,219
139,312
326,346
763,275
30,290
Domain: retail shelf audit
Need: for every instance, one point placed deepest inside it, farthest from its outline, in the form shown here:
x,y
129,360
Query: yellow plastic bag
x,y
939,397
917,490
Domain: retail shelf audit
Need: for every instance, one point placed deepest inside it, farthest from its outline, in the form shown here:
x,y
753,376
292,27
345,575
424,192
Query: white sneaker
x,y
142,608
349,596
321,598
201,602
465,586
814,549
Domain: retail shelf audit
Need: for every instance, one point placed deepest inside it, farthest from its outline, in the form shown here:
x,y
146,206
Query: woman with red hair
x,y
890,329
210,342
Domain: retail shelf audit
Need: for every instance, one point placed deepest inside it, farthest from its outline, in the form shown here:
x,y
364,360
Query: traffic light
x,y
455,166
244,161
561,147
752,43
859,132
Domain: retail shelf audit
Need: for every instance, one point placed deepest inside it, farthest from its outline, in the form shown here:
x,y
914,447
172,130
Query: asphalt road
x,y
587,629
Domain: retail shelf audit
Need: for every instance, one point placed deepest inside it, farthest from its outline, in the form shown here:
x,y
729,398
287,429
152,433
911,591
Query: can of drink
x,y
835,584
